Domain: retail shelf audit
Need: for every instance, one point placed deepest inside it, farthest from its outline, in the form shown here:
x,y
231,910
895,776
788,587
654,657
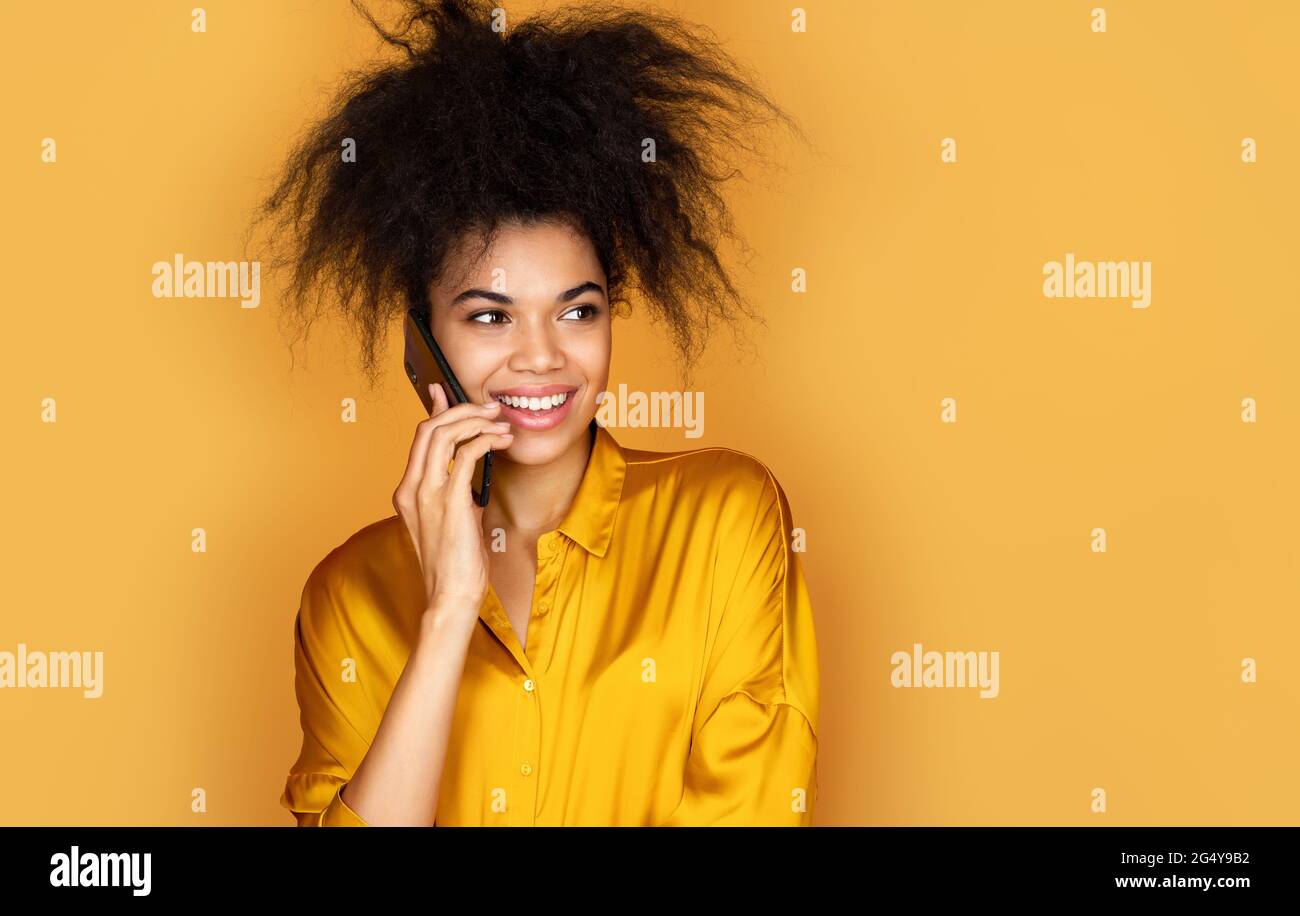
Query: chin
x,y
538,447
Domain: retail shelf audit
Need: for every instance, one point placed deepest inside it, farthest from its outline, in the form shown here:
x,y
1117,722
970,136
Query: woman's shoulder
x,y
365,546
706,472
374,559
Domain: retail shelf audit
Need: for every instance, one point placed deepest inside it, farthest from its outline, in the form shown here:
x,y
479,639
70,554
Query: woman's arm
x,y
398,779
393,778
753,754
396,784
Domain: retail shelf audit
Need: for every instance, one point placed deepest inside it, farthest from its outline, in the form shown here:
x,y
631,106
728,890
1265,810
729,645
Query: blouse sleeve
x,y
332,747
753,756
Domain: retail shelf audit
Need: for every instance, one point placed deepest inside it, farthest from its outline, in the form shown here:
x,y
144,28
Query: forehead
x,y
538,257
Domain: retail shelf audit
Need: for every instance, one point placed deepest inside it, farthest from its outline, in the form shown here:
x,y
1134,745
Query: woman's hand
x,y
444,522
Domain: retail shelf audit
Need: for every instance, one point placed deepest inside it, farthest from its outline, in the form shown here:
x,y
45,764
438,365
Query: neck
x,y
533,499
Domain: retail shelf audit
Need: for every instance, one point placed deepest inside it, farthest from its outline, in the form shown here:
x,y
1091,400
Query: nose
x,y
536,350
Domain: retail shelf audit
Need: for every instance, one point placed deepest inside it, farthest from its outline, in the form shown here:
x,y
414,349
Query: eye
x,y
477,315
594,311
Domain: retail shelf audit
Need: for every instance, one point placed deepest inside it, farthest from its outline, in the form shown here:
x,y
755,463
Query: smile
x,y
534,404
536,412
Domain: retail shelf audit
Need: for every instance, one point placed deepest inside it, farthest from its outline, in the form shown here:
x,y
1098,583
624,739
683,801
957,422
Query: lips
x,y
524,417
534,391
544,402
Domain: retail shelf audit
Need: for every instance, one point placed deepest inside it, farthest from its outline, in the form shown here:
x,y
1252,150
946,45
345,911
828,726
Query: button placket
x,y
544,582
529,745
552,551
527,754
521,801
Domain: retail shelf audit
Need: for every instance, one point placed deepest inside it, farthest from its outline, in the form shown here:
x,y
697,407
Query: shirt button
x,y
543,607
528,685
525,769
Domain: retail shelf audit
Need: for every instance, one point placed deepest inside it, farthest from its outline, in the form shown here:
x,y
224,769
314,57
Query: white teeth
x,y
546,403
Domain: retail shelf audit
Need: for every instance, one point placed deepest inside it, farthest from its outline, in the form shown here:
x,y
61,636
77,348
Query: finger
x,y
419,455
446,441
467,457
439,399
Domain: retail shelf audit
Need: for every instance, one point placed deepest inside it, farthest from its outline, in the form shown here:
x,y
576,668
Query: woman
x,y
621,637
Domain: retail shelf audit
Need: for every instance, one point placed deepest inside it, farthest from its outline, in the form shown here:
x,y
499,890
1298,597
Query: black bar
x,y
212,864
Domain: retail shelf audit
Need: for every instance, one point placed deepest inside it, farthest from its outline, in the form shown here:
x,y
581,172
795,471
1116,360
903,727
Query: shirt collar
x,y
590,519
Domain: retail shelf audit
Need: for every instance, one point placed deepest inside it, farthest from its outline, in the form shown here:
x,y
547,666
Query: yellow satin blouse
x,y
670,675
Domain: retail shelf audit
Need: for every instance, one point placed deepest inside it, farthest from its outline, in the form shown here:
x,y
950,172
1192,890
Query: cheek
x,y
472,359
593,355
593,363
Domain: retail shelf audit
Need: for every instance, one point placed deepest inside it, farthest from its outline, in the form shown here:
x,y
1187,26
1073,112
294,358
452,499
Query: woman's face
x,y
530,320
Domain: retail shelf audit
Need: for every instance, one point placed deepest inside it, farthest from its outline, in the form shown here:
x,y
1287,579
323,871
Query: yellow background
x,y
1118,670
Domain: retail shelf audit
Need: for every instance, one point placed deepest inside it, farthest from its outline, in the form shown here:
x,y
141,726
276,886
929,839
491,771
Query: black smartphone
x,y
425,363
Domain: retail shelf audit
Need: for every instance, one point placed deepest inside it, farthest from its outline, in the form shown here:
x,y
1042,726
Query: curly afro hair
x,y
481,124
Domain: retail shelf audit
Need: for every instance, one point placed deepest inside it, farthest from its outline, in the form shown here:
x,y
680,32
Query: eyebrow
x,y
565,296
